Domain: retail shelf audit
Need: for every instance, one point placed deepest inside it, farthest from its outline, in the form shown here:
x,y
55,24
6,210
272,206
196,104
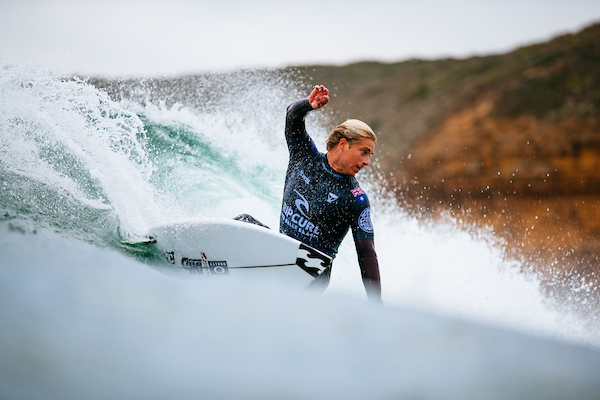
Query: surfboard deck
x,y
217,247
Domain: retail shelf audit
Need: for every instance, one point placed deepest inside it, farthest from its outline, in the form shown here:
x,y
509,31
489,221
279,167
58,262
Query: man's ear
x,y
343,143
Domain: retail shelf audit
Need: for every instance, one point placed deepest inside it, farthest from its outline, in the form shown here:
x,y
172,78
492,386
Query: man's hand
x,y
319,97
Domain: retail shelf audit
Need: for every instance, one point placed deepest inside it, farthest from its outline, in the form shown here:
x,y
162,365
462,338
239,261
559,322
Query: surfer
x,y
322,199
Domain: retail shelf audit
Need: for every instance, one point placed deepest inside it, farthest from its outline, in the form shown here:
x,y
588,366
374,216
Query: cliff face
x,y
474,153
536,183
510,142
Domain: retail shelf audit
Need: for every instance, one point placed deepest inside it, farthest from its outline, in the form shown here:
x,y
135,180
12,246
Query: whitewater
x,y
83,169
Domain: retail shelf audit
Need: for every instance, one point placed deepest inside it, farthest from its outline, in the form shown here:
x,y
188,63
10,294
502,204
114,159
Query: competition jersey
x,y
319,204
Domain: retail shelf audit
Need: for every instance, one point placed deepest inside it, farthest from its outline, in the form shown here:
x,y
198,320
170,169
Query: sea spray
x,y
79,321
69,155
90,163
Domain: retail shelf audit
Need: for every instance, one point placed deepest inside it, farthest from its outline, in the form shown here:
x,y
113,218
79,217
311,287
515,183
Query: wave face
x,y
99,166
75,161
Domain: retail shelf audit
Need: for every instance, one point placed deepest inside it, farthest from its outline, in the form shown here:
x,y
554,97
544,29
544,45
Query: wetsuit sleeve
x,y
369,268
362,230
294,122
299,143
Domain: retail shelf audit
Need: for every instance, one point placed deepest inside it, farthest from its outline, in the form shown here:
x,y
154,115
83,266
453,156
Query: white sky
x,y
135,37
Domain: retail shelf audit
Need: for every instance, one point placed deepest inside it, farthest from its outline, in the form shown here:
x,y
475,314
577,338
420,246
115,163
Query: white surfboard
x,y
230,247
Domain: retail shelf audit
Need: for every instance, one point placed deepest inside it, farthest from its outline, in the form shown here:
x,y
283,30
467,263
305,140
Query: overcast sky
x,y
134,37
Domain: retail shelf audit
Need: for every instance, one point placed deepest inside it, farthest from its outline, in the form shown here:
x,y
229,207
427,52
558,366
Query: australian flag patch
x,y
359,195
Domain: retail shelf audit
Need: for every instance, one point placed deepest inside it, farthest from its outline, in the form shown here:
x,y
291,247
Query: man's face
x,y
356,156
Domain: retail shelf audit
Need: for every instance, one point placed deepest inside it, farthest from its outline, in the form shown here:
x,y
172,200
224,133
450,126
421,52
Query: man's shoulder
x,y
359,195
305,154
353,194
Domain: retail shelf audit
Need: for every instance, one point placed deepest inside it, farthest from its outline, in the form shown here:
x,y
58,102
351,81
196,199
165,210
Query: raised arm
x,y
296,111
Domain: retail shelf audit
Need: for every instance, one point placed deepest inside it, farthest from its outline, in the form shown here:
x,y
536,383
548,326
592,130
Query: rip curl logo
x,y
364,220
302,204
299,221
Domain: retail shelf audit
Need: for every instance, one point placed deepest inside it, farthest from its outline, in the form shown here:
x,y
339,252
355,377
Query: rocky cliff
x,y
509,142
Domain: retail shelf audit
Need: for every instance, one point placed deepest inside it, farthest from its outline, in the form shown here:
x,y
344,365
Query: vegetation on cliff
x,y
510,142
409,101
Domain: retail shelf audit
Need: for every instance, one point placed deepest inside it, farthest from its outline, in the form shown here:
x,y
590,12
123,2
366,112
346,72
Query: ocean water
x,y
85,316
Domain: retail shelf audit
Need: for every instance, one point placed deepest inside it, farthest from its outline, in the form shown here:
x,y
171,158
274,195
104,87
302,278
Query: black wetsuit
x,y
321,205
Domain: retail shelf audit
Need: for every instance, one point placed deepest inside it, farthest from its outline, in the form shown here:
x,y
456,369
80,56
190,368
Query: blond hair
x,y
353,130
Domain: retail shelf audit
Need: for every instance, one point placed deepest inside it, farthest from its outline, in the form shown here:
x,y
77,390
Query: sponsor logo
x,y
203,266
298,222
302,204
364,220
304,177
312,261
170,256
218,268
331,197
359,195
298,219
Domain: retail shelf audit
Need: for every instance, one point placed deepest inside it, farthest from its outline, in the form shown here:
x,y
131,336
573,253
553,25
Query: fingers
x,y
322,89
319,96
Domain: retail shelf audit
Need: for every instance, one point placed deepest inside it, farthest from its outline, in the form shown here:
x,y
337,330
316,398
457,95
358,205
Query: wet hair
x,y
353,130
